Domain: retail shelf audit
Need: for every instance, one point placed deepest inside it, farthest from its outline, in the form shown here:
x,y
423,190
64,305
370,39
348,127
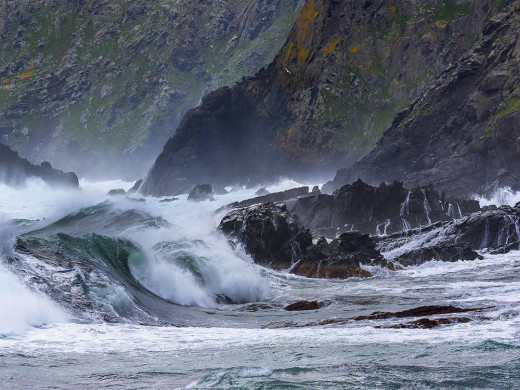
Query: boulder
x,y
302,305
268,233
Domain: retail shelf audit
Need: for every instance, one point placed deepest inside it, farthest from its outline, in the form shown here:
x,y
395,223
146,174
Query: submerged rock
x,y
201,192
302,305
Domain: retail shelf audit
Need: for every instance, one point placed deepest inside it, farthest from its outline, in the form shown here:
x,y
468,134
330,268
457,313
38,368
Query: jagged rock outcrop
x,y
463,134
268,233
274,238
99,86
346,69
15,171
495,230
378,210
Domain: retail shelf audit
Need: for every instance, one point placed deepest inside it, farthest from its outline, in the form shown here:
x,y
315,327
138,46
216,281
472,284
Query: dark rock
x,y
316,190
201,192
135,187
448,253
302,305
422,311
426,323
15,171
274,197
497,231
379,210
118,191
341,258
268,233
346,69
261,192
273,238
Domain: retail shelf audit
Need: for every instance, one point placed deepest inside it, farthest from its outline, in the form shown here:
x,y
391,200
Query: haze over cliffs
x,y
100,85
346,69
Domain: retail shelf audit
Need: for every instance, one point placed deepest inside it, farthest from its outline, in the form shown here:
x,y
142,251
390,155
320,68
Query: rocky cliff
x,y
463,134
346,69
15,171
100,84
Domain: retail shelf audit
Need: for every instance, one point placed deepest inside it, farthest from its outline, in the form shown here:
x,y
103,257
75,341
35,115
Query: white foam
x,y
21,308
500,197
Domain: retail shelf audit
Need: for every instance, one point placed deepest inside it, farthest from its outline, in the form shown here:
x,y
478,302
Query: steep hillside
x,y
346,69
463,135
98,84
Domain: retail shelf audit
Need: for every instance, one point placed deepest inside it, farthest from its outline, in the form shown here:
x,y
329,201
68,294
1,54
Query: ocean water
x,y
187,311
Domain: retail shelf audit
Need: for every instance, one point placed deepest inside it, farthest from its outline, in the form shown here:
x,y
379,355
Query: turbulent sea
x,y
114,293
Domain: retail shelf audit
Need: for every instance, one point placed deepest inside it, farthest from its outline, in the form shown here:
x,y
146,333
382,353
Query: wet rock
x,y
422,311
497,231
342,258
268,233
274,238
201,192
302,305
426,323
380,210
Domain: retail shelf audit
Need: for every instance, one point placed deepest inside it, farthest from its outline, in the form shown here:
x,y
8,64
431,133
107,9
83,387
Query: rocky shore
x,y
360,226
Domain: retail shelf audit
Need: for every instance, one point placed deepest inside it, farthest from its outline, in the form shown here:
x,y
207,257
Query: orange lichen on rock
x,y
26,75
353,49
6,81
291,141
332,46
393,9
441,24
299,48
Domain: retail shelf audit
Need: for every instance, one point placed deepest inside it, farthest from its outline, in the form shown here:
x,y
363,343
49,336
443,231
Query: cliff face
x,y
92,85
346,69
463,135
14,171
